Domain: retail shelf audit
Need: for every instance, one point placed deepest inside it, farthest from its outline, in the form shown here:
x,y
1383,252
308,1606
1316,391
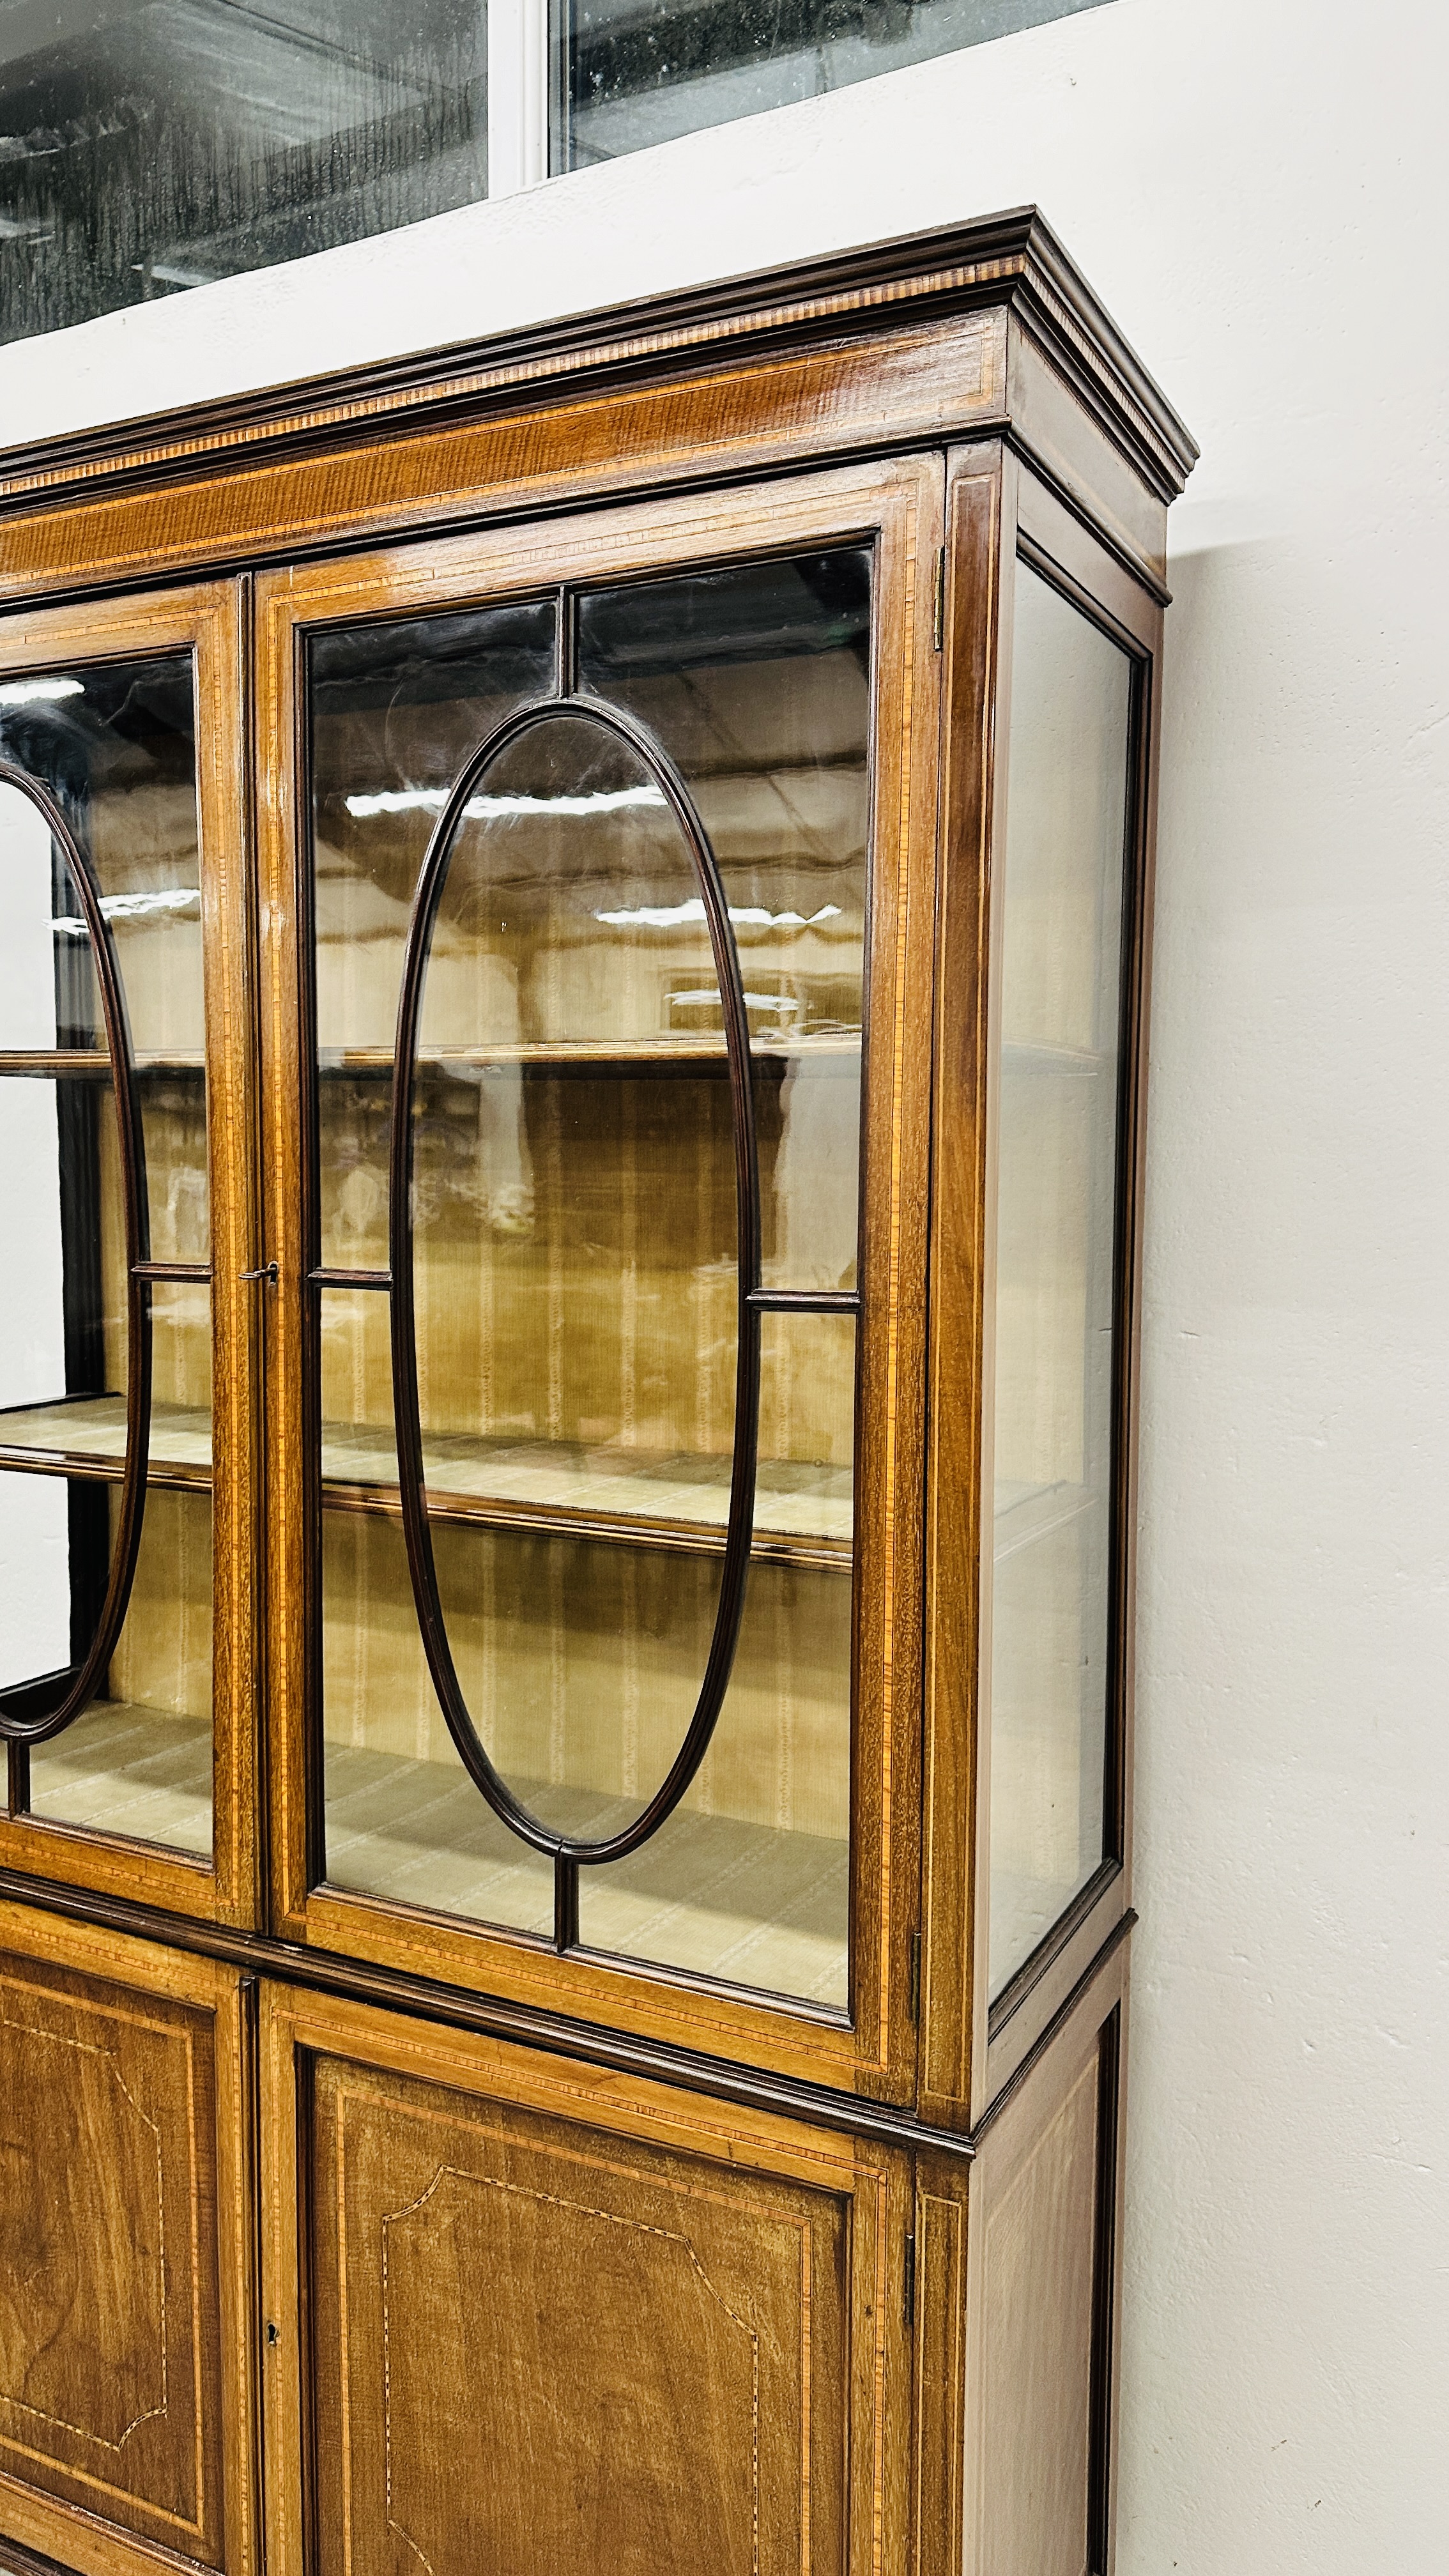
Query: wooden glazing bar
x,y
806,1301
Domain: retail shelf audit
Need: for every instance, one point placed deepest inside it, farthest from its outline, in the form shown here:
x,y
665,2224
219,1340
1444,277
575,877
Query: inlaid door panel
x,y
564,2322
120,2314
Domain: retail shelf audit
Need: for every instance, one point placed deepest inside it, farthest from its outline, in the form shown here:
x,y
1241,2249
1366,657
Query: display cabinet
x,y
574,997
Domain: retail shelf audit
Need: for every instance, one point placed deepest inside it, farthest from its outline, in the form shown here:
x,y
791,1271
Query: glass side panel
x,y
114,745
1060,1087
153,145
755,678
634,72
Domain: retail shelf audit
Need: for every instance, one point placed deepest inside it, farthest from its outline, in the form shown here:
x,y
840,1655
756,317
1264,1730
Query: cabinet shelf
x,y
124,1769
84,1436
555,1488
803,1514
837,1051
44,1064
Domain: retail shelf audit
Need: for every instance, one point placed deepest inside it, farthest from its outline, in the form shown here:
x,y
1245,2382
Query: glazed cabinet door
x,y
126,1328
598,874
127,2380
522,2314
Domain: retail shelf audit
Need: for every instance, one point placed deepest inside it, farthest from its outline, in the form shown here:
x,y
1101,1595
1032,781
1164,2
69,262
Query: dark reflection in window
x,y
632,72
148,148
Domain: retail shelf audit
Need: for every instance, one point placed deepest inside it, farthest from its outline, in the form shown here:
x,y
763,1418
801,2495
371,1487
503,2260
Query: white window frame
x,y
518,95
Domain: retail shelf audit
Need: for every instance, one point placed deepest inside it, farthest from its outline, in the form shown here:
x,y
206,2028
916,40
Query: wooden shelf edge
x,y
604,1055
616,1529
545,1520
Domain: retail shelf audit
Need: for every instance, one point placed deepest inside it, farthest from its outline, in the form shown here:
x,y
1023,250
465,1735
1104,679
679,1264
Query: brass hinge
x,y
908,2283
915,1976
938,621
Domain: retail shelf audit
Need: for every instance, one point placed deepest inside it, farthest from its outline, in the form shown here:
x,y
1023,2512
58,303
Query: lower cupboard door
x,y
551,2319
126,2341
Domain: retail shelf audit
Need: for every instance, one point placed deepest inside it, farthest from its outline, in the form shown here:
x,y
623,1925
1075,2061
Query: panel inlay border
x,y
195,2525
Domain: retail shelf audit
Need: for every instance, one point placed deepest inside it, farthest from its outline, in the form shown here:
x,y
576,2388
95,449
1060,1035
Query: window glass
x,y
1056,1266
632,72
144,149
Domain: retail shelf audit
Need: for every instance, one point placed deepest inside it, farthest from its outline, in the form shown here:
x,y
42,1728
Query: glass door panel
x,y
756,680
393,711
632,1003
532,1377
105,1340
1056,1266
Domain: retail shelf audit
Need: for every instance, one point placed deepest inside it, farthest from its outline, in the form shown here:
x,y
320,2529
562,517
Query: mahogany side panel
x,y
1042,2280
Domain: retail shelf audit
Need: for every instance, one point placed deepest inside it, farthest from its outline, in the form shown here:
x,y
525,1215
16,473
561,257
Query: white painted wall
x,y
1260,190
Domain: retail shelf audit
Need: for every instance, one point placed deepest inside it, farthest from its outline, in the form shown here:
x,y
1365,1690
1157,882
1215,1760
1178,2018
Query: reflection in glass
x,y
395,712
157,145
138,1760
1060,1084
403,1819
756,680
63,1340
749,1879
536,959
634,72
114,745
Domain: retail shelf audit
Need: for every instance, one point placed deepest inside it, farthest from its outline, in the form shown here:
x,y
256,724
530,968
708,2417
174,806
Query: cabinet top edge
x,y
1012,262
